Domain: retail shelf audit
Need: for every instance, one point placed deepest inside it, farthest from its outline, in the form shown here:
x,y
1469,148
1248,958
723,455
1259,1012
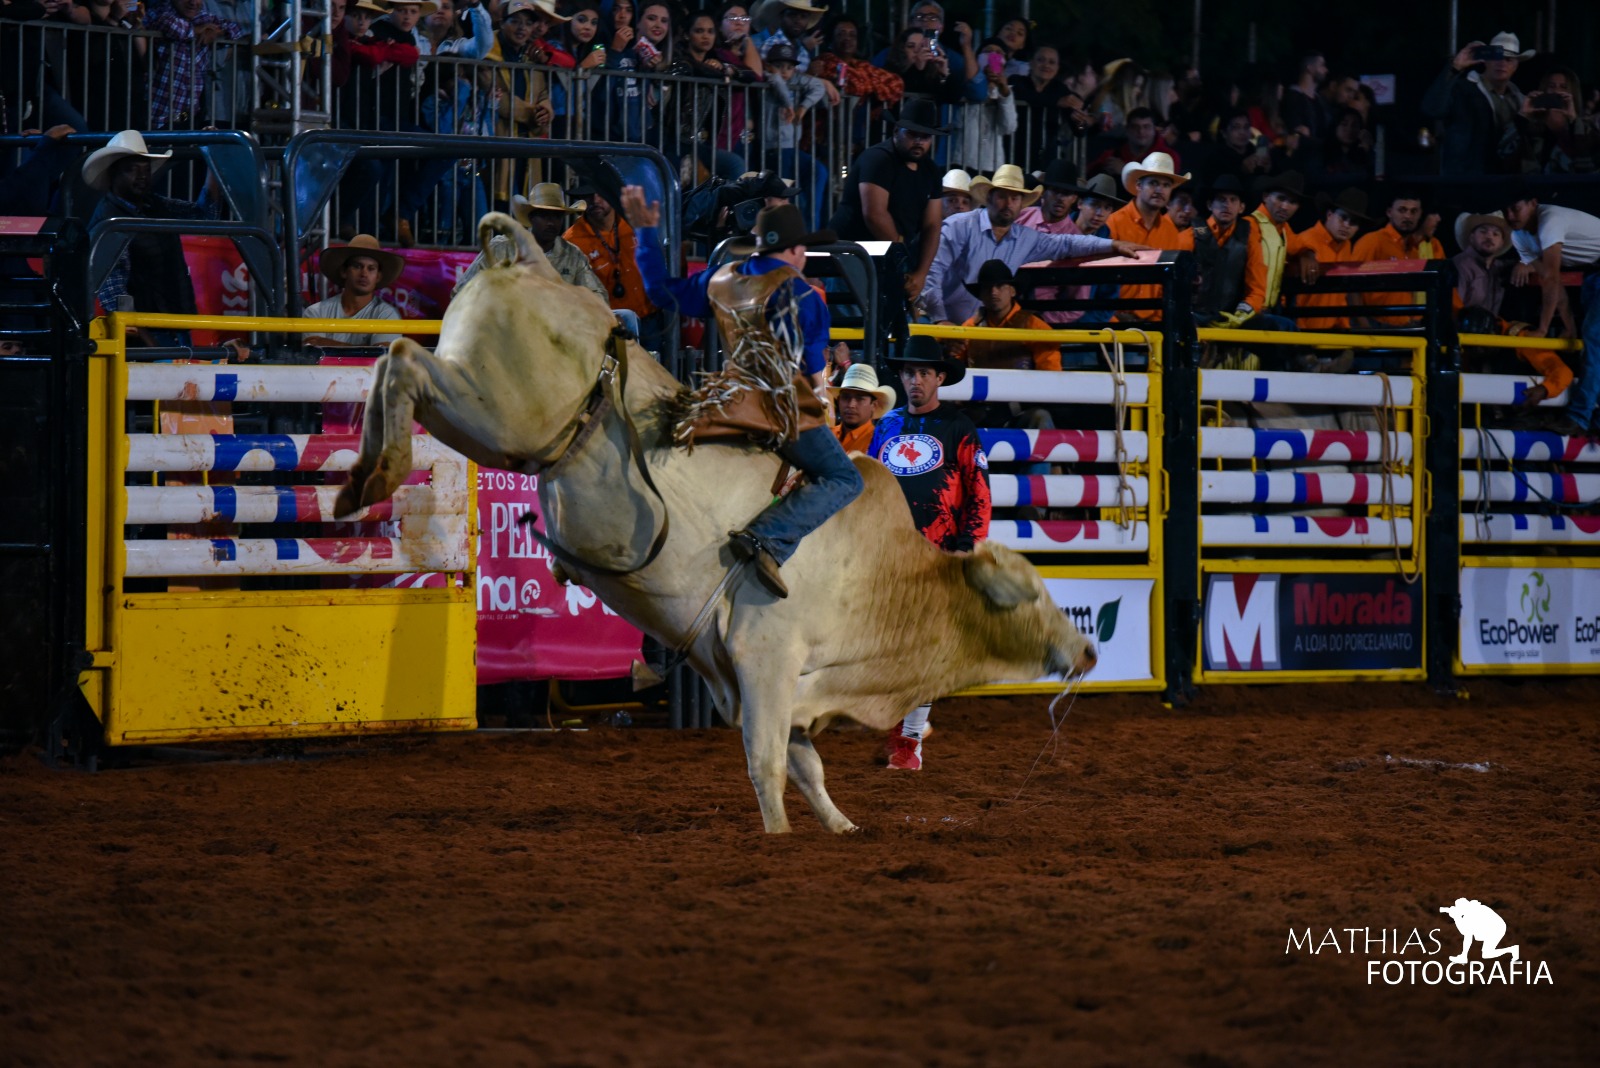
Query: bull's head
x,y
1033,624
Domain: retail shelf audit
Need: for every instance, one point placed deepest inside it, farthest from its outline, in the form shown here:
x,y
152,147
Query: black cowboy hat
x,y
1292,183
992,273
922,349
1227,183
920,115
1061,176
778,228
1352,201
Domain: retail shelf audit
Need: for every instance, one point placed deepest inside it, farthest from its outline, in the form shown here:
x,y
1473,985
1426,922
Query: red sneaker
x,y
905,754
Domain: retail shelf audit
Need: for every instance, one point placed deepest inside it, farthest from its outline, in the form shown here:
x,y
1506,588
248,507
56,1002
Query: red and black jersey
x,y
942,470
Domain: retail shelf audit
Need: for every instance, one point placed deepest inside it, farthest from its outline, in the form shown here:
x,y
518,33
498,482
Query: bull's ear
x,y
1002,576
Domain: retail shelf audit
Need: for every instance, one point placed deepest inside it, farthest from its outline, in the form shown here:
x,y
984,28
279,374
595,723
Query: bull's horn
x,y
499,224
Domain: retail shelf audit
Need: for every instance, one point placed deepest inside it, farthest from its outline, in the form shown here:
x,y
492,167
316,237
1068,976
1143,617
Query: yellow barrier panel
x,y
1501,341
232,663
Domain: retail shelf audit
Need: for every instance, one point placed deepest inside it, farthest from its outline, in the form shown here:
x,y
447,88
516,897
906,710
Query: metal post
x,y
1180,403
1194,52
1450,45
1442,547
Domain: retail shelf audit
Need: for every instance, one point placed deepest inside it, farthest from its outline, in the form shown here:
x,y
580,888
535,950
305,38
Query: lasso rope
x,y
1386,463
1127,501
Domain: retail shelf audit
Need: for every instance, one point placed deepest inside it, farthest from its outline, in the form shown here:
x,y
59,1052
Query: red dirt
x,y
608,898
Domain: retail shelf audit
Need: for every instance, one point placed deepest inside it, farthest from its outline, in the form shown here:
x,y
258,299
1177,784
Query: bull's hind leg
x,y
349,498
805,768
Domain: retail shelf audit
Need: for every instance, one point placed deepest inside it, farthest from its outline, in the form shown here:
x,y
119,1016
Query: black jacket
x,y
1471,141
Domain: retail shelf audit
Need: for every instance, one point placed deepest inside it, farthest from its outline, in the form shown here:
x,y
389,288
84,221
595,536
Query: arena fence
x,y
222,603
1530,562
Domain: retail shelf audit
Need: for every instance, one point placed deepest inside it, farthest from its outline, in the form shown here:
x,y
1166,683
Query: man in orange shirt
x,y
996,290
1331,240
605,237
860,402
1401,239
1144,222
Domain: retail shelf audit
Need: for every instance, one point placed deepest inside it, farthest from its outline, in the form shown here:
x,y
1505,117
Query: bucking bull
x,y
878,620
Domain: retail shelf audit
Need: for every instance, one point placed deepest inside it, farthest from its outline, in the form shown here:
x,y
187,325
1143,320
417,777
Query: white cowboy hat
x,y
1158,163
1511,45
862,378
96,169
1467,222
1007,176
957,181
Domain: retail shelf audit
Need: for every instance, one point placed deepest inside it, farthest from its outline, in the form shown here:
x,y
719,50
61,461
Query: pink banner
x,y
529,626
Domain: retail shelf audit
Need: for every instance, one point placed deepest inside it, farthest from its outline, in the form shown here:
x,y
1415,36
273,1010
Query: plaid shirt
x,y
156,207
181,66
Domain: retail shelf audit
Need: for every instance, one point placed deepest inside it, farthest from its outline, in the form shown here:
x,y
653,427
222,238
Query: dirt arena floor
x,y
608,898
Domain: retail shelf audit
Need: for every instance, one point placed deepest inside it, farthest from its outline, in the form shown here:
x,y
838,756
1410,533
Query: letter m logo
x,y
1241,614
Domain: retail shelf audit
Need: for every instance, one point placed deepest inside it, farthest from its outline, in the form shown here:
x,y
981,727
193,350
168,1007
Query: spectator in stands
x,y
921,72
1563,141
359,269
578,39
694,107
1144,223
892,193
995,290
791,98
1550,239
949,499
955,56
1332,241
1484,128
1481,275
861,78
1047,103
626,105
738,52
1400,239
1182,208
459,28
986,127
1305,113
1238,150
518,95
1121,92
1053,215
969,240
183,60
957,192
39,59
797,21
602,235
113,65
860,402
1097,200
1141,139
1013,38
1265,107
1346,153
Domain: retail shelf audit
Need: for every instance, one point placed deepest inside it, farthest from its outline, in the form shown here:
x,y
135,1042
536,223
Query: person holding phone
x,y
1564,141
1484,117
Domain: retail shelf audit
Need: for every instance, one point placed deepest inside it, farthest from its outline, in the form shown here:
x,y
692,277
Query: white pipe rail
x,y
266,452
1303,532
1283,487
1069,536
1527,446
281,504
1066,491
1046,387
1298,387
1309,446
1062,446
1503,389
1504,528
242,382
193,557
1532,486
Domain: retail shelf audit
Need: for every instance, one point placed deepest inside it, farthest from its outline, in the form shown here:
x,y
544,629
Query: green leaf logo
x,y
1105,623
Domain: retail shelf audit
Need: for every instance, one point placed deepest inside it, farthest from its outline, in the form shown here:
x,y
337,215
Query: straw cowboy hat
x,y
428,6
1156,163
547,196
804,6
1511,45
924,350
862,378
1008,176
334,257
377,7
959,181
1466,223
128,144
545,8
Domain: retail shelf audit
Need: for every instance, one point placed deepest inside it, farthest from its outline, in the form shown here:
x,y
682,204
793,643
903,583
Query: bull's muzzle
x,y
1086,661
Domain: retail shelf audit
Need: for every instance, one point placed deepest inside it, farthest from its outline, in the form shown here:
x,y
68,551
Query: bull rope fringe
x,y
763,360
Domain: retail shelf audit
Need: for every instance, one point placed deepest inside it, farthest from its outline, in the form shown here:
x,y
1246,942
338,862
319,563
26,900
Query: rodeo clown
x,y
934,452
774,388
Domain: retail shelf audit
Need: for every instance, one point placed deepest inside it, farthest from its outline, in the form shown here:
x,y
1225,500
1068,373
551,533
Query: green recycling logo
x,y
1535,600
1105,621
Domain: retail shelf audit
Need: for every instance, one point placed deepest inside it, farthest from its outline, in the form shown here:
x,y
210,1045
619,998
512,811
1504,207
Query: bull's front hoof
x,y
346,503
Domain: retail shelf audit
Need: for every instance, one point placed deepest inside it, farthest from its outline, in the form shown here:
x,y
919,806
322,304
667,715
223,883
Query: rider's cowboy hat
x,y
925,351
1158,164
777,228
1009,177
863,379
126,145
547,196
1466,223
334,257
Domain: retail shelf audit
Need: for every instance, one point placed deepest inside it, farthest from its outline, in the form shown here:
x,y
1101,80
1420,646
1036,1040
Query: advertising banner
x,y
1309,622
1530,616
1115,615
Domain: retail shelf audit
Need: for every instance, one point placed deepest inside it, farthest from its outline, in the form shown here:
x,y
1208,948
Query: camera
x,y
1484,53
1549,100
